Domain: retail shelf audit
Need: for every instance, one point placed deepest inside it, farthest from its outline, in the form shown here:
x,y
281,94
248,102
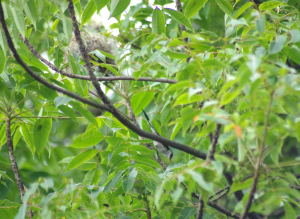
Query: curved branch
x,y
82,77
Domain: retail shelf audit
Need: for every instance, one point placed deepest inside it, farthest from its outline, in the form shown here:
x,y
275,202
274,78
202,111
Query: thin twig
x,y
83,77
258,161
217,207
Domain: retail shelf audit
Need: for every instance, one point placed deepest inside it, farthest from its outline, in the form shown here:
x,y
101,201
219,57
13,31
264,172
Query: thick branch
x,y
14,163
13,160
82,77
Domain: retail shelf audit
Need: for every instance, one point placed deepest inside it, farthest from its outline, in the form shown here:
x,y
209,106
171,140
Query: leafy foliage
x,y
236,64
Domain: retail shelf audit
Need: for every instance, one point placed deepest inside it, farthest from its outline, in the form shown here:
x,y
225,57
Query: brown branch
x,y
214,143
200,208
179,9
13,160
14,163
258,161
217,207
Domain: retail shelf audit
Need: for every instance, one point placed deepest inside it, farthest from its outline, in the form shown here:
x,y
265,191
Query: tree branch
x,y
82,77
258,161
14,163
217,207
179,9
200,208
214,143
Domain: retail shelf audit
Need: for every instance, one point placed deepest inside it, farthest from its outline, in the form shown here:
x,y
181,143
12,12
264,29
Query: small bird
x,y
163,149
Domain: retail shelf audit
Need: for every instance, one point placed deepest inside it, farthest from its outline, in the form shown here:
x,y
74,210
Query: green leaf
x,y
30,10
28,137
54,25
68,111
199,179
100,4
3,60
4,160
113,182
225,6
41,132
145,160
242,9
92,177
260,23
61,101
236,186
277,46
178,86
47,93
18,18
30,59
158,22
81,158
289,211
16,137
88,12
141,101
185,99
293,53
87,142
193,6
118,6
176,129
130,181
179,17
297,131
295,36
229,97
67,27
269,5
87,114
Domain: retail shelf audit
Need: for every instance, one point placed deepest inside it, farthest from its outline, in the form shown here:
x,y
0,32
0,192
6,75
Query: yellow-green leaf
x,y
269,5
